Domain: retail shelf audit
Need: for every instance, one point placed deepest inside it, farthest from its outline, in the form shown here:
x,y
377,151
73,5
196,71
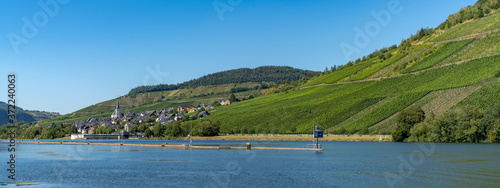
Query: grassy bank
x,y
353,138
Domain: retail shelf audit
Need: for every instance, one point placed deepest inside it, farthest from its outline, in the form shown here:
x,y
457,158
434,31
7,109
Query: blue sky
x,y
82,52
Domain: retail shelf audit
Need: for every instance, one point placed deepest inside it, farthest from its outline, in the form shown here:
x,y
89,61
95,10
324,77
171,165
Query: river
x,y
340,164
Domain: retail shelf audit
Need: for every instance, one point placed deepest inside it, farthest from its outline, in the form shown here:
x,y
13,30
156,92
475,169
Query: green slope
x,y
359,97
442,53
332,104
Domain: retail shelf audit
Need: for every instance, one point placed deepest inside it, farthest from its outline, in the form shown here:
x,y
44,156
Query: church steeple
x,y
117,113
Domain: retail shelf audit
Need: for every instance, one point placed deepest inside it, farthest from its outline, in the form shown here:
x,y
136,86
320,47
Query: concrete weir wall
x,y
98,136
184,146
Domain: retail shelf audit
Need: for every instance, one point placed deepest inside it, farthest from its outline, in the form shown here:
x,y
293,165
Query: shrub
x,y
401,132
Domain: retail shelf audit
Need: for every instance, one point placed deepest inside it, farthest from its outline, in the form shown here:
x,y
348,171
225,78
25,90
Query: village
x,y
119,121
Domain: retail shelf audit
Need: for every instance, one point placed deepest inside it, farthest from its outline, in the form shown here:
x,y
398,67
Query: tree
x,y
158,130
133,129
147,133
411,116
494,133
151,119
142,128
176,130
110,130
400,133
406,120
232,98
208,128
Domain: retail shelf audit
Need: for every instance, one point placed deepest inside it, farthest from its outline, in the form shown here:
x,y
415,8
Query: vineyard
x,y
376,68
438,56
333,104
336,76
485,47
412,56
486,24
484,97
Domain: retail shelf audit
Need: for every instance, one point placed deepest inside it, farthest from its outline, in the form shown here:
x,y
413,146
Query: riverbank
x,y
329,138
284,137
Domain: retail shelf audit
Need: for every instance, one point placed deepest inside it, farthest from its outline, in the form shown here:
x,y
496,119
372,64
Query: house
x,y
170,110
186,108
115,127
79,125
164,117
193,116
164,121
225,102
203,114
150,113
92,120
85,129
130,114
141,119
91,129
130,124
209,107
198,107
179,116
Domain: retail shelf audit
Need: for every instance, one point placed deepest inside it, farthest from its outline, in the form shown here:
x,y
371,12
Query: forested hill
x,y
275,74
24,115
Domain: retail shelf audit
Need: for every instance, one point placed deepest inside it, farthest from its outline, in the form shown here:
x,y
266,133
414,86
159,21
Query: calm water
x,y
341,164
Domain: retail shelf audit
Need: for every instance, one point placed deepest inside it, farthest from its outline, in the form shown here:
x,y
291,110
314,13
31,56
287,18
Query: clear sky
x,y
76,53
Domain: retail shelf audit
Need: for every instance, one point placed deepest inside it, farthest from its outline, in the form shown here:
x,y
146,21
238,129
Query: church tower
x,y
117,114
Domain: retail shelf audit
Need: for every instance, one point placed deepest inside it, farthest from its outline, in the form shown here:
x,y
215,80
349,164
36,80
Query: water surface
x,y
341,164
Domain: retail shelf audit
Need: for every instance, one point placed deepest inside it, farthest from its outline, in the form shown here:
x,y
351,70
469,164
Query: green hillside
x,y
243,83
24,115
365,97
269,74
444,72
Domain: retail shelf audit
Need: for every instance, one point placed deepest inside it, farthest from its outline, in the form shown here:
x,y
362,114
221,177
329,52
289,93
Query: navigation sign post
x,y
318,133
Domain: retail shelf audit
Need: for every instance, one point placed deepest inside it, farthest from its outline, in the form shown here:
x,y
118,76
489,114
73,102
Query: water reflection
x,y
341,164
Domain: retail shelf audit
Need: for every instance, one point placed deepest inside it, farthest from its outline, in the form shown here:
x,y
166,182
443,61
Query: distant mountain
x,y
24,115
273,74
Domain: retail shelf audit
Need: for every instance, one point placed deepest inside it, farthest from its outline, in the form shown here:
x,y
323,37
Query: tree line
x,y
275,74
178,129
32,132
480,9
467,124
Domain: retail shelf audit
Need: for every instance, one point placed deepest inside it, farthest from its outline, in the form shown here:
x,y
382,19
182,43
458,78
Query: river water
x,y
340,164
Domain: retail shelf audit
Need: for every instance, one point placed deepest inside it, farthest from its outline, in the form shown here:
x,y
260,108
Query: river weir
x,y
166,145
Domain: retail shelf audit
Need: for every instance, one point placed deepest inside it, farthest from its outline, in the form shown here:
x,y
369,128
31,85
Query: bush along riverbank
x,y
467,124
